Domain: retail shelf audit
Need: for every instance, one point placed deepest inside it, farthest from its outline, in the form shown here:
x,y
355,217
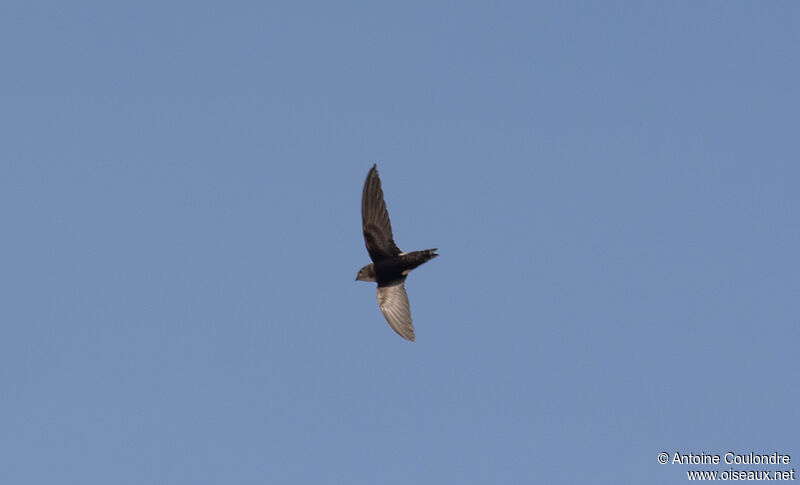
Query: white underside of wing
x,y
393,301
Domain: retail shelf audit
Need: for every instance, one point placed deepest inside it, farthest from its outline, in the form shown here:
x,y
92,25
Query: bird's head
x,y
367,273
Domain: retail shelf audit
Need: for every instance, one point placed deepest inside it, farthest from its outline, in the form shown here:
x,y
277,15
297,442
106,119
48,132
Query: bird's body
x,y
390,266
388,271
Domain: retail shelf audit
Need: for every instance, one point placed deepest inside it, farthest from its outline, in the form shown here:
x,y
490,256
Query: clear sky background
x,y
613,189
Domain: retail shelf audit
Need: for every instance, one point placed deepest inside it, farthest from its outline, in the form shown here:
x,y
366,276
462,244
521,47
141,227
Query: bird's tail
x,y
416,258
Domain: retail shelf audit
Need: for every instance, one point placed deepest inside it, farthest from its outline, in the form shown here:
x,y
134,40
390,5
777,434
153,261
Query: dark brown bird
x,y
389,266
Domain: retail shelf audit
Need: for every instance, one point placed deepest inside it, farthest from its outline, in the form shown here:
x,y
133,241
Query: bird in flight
x,y
389,266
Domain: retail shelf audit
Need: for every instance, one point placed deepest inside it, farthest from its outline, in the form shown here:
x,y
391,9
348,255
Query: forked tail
x,y
416,258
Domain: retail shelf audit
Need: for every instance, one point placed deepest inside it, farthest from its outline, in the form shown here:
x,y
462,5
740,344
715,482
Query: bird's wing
x,y
375,220
393,301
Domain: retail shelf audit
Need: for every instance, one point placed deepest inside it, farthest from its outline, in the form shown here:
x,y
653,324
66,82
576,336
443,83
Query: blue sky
x,y
613,189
